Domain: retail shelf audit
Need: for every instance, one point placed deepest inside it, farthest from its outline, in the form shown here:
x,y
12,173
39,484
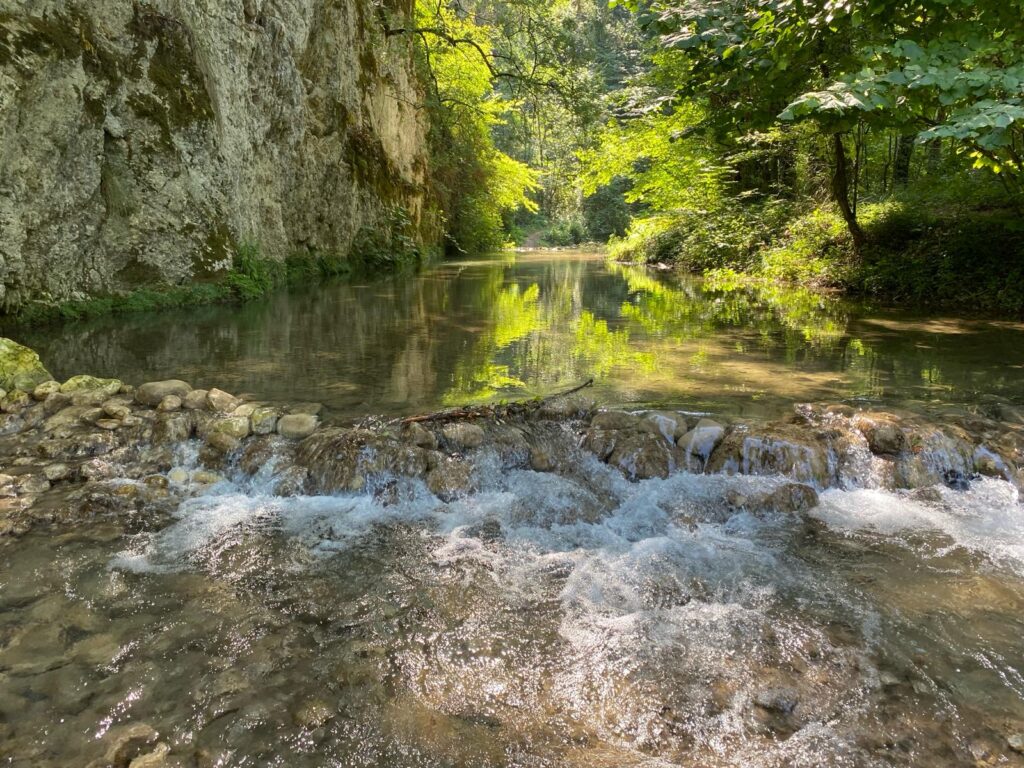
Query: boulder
x,y
20,367
462,435
170,403
195,400
787,498
882,431
642,456
220,401
223,442
601,442
235,426
264,420
668,424
297,426
152,392
419,435
15,401
44,390
451,479
699,443
781,449
614,420
170,428
109,387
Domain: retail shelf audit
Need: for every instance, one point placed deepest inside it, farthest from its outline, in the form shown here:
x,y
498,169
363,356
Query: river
x,y
549,618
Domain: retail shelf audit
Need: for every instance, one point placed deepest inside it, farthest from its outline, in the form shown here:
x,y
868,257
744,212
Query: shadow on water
x,y
520,324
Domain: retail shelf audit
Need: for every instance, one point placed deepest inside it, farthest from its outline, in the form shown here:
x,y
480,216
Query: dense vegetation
x,y
873,146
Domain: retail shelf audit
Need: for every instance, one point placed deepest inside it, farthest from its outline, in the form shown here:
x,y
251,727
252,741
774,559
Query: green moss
x,y
56,35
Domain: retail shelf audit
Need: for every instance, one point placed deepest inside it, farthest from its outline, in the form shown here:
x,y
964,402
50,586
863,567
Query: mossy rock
x,y
109,387
20,367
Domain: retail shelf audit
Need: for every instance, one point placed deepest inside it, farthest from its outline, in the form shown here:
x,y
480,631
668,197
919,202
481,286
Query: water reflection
x,y
528,323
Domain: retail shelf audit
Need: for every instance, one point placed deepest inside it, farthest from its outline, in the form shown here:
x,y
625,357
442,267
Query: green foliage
x,y
388,243
478,184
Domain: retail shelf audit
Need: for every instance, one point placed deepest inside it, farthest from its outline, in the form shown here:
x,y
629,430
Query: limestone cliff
x,y
141,141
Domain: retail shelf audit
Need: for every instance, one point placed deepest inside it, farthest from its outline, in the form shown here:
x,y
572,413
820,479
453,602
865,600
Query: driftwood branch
x,y
517,408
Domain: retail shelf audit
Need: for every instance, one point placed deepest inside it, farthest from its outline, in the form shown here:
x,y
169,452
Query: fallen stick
x,y
518,407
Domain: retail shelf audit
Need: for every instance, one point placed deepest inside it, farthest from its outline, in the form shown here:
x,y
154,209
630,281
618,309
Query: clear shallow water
x,y
571,619
530,323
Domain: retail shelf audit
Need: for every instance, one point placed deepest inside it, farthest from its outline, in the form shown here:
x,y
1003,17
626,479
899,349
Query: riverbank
x,y
946,257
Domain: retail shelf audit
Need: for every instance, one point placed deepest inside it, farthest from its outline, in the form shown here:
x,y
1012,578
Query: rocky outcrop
x,y
142,142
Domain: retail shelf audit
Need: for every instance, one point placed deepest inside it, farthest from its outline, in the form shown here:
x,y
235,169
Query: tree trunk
x,y
841,191
901,165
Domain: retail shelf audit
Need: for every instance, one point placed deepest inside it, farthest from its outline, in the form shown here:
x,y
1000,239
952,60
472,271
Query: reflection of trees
x,y
512,327
542,336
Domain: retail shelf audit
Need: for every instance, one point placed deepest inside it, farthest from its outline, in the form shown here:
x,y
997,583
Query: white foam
x,y
988,518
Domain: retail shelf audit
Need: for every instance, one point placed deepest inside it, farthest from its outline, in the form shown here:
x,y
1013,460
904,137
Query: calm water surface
x,y
519,324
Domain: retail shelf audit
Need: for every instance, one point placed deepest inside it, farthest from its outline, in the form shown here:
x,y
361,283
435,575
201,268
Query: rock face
x,y
142,142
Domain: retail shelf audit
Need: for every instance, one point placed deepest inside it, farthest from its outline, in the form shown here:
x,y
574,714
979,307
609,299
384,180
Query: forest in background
x,y
868,146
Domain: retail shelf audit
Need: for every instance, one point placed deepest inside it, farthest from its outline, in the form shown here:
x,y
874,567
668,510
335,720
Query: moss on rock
x,y
20,367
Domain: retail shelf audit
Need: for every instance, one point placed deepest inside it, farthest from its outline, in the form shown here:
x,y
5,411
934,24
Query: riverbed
x,y
561,615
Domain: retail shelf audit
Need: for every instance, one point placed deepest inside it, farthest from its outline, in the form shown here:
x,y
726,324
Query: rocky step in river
x,y
88,443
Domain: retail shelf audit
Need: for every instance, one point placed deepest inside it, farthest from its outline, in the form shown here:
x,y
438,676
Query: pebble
x,y
1016,742
55,472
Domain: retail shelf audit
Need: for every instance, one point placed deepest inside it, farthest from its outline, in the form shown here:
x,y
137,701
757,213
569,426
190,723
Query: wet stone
x,y
169,403
699,443
419,435
152,392
45,389
109,387
195,400
451,479
220,401
55,472
15,401
642,456
463,436
264,420
614,420
296,426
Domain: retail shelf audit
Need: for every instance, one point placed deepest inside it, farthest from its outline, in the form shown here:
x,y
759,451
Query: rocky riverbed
x,y
192,577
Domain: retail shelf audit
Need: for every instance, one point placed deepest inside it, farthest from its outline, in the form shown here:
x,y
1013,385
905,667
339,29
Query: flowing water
x,y
548,619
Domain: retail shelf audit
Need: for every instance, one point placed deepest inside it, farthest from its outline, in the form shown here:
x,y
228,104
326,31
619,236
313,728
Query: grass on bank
x,y
964,254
